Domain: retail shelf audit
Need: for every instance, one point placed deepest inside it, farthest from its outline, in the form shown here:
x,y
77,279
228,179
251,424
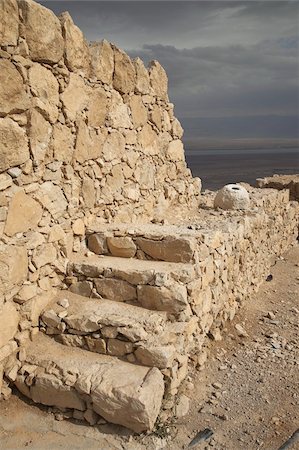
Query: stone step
x,y
155,285
149,241
91,384
117,329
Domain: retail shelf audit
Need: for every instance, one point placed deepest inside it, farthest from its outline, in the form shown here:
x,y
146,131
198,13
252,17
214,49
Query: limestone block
x,y
5,181
96,345
156,116
175,151
97,244
145,174
172,299
75,97
159,356
44,87
39,135
89,144
97,107
118,114
102,61
26,293
13,266
138,110
24,213
78,227
117,290
158,80
82,288
62,143
77,55
232,196
121,246
44,254
124,76
8,350
142,77
88,192
49,390
13,144
119,348
148,141
9,24
52,198
177,129
13,95
114,146
173,249
9,320
42,31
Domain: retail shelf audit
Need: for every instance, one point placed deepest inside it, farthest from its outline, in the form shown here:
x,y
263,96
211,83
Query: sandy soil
x,y
247,394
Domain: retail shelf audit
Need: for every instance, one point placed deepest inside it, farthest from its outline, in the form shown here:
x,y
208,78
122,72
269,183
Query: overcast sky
x,y
232,65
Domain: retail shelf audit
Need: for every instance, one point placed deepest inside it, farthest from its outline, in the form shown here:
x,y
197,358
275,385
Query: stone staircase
x,y
119,338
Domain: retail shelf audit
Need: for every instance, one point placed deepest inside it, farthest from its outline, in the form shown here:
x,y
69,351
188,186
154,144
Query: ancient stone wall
x,y
85,132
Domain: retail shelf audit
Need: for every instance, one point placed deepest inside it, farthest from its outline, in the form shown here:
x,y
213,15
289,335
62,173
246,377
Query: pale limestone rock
x,y
114,146
44,254
142,77
121,246
13,95
174,249
96,345
158,80
158,356
26,293
156,116
52,198
117,290
172,299
13,266
49,390
5,181
50,318
75,97
9,24
145,173
119,348
175,151
124,76
42,31
102,61
89,144
24,213
76,48
177,129
138,110
82,288
98,107
118,114
78,227
182,407
88,192
36,305
232,196
9,320
62,143
13,144
44,87
148,141
39,135
97,244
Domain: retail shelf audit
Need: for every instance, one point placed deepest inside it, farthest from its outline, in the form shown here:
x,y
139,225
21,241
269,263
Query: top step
x,y
158,242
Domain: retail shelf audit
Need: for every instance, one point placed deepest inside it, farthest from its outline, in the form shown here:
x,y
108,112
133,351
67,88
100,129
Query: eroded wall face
x,y
85,132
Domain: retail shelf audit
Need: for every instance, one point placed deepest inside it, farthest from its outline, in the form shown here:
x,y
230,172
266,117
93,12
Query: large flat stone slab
x,y
120,392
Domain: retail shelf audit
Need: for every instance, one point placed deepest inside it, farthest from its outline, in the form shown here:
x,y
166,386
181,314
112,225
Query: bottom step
x,y
120,392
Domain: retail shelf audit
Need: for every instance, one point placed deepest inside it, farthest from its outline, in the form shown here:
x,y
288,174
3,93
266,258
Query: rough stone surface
x,y
76,48
232,196
158,80
117,290
124,72
14,266
13,144
9,24
9,320
13,96
123,247
102,61
170,249
42,31
24,213
44,87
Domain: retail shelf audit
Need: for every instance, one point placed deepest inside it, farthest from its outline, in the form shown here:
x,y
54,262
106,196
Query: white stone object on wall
x,y
232,196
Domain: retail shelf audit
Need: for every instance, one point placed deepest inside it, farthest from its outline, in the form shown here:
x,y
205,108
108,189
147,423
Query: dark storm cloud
x,y
223,58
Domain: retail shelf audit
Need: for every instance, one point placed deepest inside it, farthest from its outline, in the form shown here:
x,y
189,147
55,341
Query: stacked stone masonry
x,y
103,247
